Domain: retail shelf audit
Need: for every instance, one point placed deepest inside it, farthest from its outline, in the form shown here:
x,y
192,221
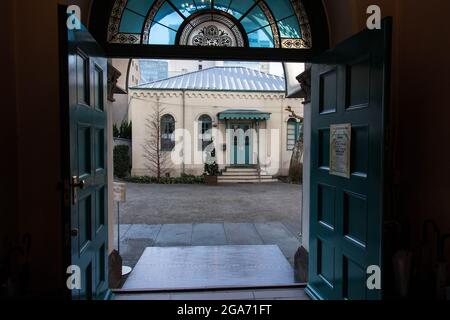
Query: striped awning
x,y
241,114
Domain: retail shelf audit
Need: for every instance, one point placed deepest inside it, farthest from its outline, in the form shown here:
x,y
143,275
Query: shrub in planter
x,y
211,173
121,161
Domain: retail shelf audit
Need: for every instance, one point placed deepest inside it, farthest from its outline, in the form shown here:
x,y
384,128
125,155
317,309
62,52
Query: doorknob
x,y
77,184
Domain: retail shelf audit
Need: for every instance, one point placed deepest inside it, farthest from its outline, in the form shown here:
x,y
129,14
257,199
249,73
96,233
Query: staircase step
x,y
248,181
240,169
243,177
246,173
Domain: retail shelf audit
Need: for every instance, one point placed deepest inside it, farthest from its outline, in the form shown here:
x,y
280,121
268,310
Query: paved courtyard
x,y
174,204
197,215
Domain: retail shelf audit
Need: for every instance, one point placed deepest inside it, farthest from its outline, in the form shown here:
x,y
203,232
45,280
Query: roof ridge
x,y
204,70
232,76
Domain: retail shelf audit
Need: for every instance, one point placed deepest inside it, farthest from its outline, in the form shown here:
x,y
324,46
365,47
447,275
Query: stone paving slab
x,y
139,237
175,235
208,234
242,234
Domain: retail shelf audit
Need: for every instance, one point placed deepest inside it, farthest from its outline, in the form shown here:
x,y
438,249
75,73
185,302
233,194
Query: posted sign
x,y
120,191
340,149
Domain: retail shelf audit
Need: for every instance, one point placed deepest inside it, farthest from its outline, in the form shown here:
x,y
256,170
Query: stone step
x,y
244,177
243,173
253,181
231,169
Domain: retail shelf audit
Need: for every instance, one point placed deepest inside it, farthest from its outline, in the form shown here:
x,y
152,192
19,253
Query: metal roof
x,y
220,79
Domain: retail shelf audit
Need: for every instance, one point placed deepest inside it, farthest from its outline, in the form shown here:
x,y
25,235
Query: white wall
x,y
143,102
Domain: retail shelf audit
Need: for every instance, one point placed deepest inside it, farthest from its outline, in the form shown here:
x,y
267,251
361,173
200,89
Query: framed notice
x,y
340,144
120,192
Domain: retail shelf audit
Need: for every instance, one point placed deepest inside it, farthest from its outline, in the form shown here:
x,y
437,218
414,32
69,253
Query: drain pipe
x,y
184,129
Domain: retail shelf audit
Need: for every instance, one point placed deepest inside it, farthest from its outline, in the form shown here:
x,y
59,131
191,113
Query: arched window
x,y
205,134
167,133
293,133
221,23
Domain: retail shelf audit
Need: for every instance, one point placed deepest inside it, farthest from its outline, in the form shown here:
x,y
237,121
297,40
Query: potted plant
x,y
211,173
211,169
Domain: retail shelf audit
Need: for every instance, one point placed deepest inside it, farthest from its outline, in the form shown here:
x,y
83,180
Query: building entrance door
x,y
242,144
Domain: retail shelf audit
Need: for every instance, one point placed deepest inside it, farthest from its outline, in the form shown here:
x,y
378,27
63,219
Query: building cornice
x,y
209,94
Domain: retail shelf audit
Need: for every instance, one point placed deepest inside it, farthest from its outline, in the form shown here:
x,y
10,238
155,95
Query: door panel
x,y
242,144
87,74
348,87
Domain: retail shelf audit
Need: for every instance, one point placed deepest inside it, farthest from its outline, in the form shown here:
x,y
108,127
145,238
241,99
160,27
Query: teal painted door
x,y
87,74
241,144
349,86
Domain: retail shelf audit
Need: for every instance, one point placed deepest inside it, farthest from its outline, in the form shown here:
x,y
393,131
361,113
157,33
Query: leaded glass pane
x,y
169,17
254,20
254,16
289,28
161,35
203,4
131,22
239,7
140,6
280,8
222,5
186,7
262,38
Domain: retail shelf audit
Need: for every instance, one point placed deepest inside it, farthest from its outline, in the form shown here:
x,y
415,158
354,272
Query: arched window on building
x,y
205,134
293,133
167,133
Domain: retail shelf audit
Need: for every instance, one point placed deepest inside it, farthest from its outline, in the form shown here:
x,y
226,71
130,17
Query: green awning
x,y
241,114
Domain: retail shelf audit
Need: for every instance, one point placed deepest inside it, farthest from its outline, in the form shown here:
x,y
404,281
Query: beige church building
x,y
237,111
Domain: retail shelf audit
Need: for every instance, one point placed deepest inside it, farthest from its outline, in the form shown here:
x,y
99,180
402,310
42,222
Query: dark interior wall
x,y
8,185
420,114
31,147
38,123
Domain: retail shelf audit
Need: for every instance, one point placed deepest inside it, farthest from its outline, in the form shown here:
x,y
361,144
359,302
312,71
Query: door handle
x,y
77,184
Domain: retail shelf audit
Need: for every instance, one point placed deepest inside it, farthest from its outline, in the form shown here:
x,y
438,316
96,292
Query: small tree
x,y
157,160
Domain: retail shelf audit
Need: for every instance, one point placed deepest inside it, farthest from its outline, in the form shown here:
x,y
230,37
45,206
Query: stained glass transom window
x,y
226,23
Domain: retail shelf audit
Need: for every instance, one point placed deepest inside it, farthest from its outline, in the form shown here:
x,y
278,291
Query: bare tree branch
x,y
157,161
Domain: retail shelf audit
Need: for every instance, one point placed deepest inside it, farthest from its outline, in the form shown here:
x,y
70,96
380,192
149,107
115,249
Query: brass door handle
x,y
77,184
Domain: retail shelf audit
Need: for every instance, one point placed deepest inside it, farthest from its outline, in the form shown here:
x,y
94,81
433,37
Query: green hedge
x,y
184,179
121,161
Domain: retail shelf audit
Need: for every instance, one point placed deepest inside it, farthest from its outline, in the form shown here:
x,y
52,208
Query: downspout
x,y
184,129
257,157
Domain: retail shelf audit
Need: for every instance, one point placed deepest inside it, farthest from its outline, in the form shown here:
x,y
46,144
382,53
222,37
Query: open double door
x,y
348,87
